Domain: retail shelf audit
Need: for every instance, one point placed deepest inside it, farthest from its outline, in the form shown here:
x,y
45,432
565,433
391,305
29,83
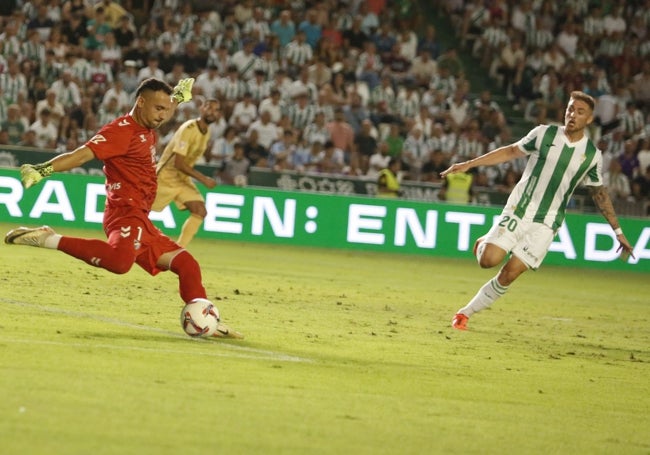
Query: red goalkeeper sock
x,y
98,253
189,276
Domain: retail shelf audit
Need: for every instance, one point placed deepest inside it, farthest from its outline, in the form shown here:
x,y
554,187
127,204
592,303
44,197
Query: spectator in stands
x,y
151,70
641,187
176,74
423,69
457,111
301,113
355,37
302,153
124,33
257,24
231,90
297,53
614,22
284,28
617,183
13,125
57,111
471,143
378,161
191,58
166,57
243,114
207,82
67,91
332,160
97,28
42,23
415,153
432,168
317,130
223,147
46,131
245,60
13,83
303,84
429,42
399,67
641,85
319,73
384,39
234,170
567,40
450,61
74,30
83,111
395,140
100,73
113,12
341,133
311,28
266,131
523,16
632,121
29,139
365,145
108,111
256,153
511,56
629,160
273,104
281,151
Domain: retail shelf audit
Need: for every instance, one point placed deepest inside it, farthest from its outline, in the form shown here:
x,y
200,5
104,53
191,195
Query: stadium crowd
x,y
335,86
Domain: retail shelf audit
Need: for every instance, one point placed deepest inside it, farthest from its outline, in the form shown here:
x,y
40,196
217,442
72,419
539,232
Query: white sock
x,y
52,242
485,297
479,251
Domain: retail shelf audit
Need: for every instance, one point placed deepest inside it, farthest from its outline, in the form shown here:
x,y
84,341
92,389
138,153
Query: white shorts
x,y
527,240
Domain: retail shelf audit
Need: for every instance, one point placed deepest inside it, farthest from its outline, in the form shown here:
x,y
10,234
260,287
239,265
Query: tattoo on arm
x,y
604,204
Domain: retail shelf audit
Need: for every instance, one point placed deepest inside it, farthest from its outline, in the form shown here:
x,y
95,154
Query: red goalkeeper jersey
x,y
128,151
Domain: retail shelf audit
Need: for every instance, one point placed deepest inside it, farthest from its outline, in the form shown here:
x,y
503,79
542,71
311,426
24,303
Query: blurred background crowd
x,y
338,86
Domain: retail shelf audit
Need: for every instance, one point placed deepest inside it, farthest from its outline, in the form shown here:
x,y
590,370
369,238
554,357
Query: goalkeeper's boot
x,y
223,331
29,236
460,321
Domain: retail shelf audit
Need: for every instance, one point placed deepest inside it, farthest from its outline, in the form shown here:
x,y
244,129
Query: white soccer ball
x,y
200,318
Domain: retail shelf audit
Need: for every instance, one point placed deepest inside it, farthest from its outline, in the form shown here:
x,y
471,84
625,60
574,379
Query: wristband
x,y
45,169
618,231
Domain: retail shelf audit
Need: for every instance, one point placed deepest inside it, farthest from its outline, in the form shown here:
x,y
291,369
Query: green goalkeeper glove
x,y
31,174
183,90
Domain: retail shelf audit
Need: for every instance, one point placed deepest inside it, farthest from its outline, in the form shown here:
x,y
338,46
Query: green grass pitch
x,y
345,353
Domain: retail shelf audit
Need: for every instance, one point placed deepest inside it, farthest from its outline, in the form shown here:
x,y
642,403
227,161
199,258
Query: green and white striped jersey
x,y
555,168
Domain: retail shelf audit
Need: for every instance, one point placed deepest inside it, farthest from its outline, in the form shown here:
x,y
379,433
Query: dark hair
x,y
153,85
582,96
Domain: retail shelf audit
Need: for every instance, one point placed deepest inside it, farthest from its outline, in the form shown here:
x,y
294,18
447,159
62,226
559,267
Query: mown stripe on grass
x,y
237,350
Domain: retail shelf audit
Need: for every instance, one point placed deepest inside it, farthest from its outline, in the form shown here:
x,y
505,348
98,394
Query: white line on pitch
x,y
247,352
260,355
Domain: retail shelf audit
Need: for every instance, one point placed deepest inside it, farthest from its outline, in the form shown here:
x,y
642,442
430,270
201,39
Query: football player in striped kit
x,y
559,158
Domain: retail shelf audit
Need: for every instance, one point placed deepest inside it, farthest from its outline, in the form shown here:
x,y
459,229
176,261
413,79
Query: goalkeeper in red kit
x,y
127,146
